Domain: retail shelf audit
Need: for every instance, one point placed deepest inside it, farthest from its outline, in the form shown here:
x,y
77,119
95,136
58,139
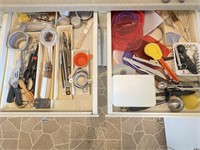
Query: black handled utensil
x,y
14,82
190,65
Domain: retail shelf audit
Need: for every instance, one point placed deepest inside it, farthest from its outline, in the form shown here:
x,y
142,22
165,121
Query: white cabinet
x,y
182,133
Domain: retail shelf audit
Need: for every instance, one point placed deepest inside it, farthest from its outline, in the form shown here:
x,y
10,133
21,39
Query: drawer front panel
x,y
95,5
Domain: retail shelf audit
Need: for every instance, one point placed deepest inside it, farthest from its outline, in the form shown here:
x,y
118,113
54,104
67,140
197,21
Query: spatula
x,y
153,50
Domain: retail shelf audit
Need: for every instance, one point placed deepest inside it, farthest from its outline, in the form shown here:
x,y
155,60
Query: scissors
x,y
30,72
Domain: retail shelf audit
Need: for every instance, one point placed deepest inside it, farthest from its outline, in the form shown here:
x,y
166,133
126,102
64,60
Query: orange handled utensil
x,y
153,50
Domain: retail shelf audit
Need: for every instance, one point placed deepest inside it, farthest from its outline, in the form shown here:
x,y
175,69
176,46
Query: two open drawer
x,y
86,104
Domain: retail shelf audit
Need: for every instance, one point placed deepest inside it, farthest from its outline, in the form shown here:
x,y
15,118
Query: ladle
x,y
153,50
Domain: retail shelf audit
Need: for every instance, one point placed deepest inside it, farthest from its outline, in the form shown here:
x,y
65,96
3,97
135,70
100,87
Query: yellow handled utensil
x,y
24,17
153,50
191,101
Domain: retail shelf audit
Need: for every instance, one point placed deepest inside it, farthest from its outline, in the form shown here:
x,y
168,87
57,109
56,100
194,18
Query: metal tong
x,y
137,63
65,62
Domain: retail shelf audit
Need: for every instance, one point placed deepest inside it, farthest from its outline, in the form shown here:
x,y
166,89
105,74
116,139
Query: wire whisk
x,y
183,17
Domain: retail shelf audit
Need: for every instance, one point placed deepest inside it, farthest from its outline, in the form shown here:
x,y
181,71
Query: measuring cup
x,y
153,50
48,38
80,60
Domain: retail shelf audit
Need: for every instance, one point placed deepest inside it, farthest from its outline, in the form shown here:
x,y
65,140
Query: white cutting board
x,y
134,91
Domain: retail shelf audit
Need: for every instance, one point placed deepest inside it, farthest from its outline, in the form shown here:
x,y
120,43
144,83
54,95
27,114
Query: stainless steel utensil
x,y
175,104
48,38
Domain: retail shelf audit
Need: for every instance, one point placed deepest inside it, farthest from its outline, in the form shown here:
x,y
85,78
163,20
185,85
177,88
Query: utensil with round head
x,y
18,40
48,38
153,50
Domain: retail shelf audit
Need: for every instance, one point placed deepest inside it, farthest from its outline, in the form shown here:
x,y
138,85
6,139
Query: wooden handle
x,y
22,85
29,96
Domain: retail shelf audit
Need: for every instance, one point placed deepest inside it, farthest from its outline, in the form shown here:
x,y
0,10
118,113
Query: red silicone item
x,y
127,30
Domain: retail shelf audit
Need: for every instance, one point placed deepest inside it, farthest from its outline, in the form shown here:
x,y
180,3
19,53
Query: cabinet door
x,y
182,133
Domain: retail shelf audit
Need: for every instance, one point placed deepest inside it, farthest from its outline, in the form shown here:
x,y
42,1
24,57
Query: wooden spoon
x,y
27,93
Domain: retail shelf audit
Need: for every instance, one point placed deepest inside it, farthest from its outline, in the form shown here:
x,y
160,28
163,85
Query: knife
x,y
14,82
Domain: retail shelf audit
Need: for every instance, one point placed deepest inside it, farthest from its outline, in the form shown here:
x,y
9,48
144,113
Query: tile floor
x,y
83,133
